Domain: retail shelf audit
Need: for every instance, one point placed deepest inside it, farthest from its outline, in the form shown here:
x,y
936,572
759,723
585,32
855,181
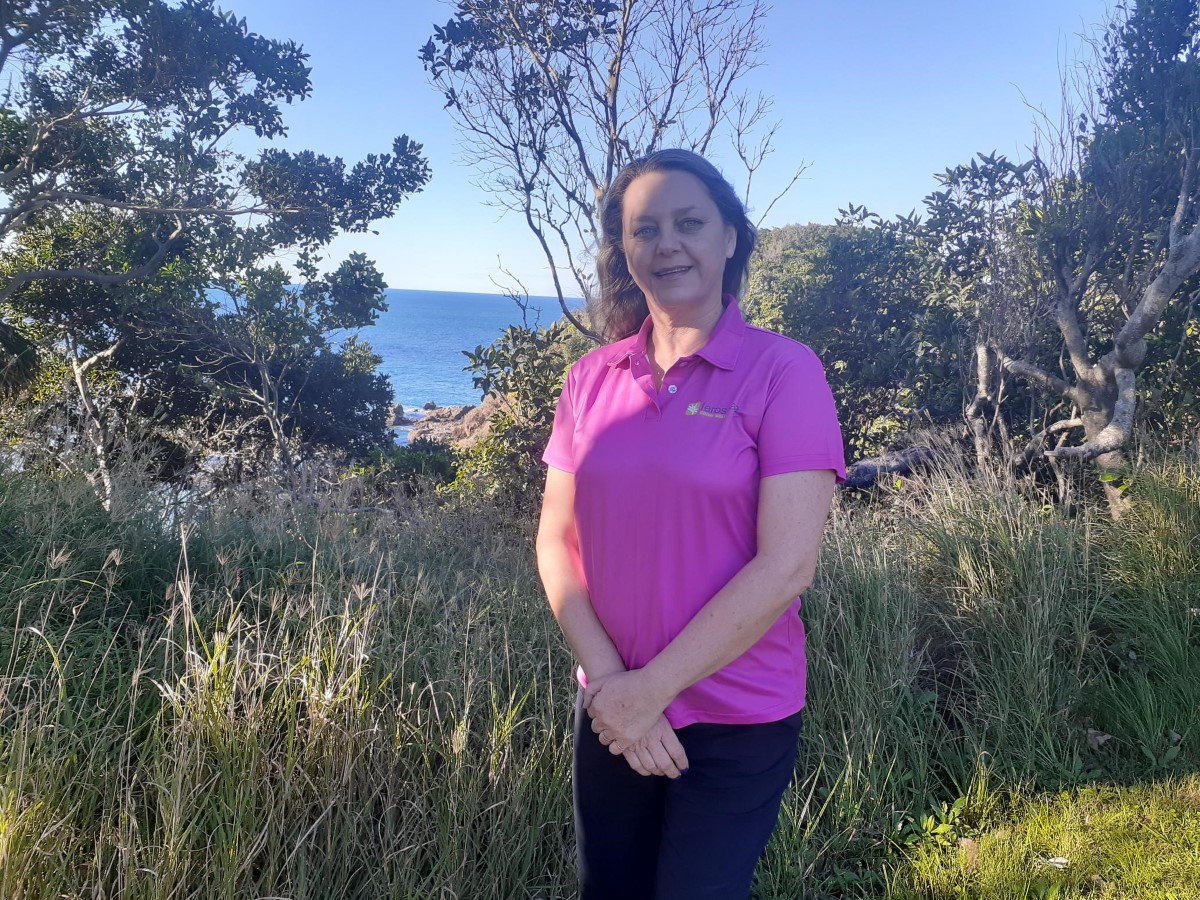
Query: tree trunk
x,y
985,401
269,394
95,430
1098,417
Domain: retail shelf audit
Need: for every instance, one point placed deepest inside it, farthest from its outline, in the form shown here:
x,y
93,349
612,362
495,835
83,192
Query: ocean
x,y
423,333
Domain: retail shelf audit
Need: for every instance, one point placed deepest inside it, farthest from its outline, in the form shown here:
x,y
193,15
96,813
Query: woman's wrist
x,y
657,685
599,673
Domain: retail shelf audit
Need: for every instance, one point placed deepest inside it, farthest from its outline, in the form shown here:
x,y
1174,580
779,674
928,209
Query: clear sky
x,y
875,95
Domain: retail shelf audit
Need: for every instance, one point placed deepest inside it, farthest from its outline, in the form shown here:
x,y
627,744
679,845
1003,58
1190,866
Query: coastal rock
x,y
461,426
475,424
432,406
398,417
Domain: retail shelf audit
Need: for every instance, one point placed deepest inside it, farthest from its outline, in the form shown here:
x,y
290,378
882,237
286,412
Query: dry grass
x,y
288,700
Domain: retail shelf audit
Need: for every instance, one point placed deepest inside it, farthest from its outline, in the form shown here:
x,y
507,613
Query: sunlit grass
x,y
285,699
1103,842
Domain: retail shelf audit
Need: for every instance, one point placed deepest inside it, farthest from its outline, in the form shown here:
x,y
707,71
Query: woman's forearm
x,y
726,627
561,571
572,608
792,512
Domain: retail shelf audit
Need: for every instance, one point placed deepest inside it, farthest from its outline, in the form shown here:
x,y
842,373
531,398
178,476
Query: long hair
x,y
621,307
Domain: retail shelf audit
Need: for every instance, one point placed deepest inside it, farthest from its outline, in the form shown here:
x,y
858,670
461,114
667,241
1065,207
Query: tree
x,y
523,370
861,293
1110,208
122,199
554,98
268,355
126,106
977,227
113,340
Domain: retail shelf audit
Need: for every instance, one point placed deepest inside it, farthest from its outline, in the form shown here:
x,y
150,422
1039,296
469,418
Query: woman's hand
x,y
658,753
623,708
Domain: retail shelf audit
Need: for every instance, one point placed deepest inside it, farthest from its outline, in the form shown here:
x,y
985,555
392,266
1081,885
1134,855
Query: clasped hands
x,y
629,719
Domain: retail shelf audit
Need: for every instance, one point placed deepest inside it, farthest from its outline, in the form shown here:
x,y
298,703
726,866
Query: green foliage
x,y
481,26
18,361
280,698
415,467
326,197
524,369
269,353
861,294
131,101
970,215
129,206
1075,263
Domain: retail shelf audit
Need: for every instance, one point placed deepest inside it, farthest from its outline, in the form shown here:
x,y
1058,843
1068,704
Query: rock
x,y
432,406
476,422
440,424
398,417
461,426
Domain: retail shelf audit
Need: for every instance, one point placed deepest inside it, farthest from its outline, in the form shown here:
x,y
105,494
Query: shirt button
x,y
672,389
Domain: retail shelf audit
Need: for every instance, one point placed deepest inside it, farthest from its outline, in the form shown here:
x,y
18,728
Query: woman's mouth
x,y
674,270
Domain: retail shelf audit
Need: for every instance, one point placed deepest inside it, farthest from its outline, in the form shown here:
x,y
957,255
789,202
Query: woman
x,y
692,464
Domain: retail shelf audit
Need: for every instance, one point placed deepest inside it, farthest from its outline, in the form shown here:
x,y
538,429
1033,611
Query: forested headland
x,y
250,647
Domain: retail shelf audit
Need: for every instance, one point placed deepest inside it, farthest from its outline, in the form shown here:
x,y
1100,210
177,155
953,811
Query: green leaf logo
x,y
694,408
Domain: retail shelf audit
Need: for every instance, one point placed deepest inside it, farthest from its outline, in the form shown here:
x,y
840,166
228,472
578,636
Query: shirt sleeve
x,y
799,429
559,451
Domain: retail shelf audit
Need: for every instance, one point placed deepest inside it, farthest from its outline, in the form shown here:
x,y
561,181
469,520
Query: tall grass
x,y
285,699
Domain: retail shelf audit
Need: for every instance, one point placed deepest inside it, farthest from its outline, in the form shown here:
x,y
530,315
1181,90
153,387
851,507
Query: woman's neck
x,y
673,337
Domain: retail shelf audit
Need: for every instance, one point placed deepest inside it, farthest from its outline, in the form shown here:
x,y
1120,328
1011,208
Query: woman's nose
x,y
668,241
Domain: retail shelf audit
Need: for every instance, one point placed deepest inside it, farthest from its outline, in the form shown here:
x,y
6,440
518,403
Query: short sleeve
x,y
799,428
559,451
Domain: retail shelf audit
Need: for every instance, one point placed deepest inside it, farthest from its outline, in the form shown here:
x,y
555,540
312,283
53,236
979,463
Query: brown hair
x,y
621,307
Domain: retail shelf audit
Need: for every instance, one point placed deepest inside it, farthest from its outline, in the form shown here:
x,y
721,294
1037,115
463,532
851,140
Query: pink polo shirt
x,y
666,495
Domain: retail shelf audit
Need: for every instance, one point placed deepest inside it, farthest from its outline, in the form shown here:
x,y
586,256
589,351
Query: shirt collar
x,y
725,342
722,349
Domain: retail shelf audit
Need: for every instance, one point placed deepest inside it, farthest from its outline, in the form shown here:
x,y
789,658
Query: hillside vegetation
x,y
281,699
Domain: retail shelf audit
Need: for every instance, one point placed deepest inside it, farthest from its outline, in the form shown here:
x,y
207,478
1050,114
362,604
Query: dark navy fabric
x,y
697,837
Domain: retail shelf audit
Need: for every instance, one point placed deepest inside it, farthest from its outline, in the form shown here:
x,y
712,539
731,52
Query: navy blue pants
x,y
697,836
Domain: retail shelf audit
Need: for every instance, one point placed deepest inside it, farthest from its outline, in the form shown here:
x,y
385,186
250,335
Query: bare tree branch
x,y
1029,371
1035,442
549,119
1117,432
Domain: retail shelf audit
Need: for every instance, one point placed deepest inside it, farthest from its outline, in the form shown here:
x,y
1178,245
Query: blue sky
x,y
875,95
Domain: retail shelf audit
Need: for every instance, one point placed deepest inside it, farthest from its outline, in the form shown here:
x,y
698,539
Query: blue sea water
x,y
423,333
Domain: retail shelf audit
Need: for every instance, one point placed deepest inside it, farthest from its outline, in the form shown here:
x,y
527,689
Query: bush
x,y
525,369
418,466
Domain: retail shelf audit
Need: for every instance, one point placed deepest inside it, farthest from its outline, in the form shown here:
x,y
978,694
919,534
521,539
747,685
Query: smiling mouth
x,y
675,270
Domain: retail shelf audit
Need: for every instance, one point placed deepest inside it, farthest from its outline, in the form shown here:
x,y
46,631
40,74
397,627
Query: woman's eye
x,y
690,224
644,231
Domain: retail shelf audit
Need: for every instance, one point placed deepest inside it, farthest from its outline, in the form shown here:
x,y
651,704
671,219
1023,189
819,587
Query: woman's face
x,y
675,241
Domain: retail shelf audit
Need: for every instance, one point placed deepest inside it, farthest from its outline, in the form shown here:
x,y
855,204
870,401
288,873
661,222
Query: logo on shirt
x,y
701,408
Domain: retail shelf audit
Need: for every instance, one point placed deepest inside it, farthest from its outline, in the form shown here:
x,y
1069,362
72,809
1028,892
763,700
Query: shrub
x,y
415,467
524,368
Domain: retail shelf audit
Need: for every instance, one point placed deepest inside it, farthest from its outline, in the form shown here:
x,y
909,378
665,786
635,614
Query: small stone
x,y
1097,739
